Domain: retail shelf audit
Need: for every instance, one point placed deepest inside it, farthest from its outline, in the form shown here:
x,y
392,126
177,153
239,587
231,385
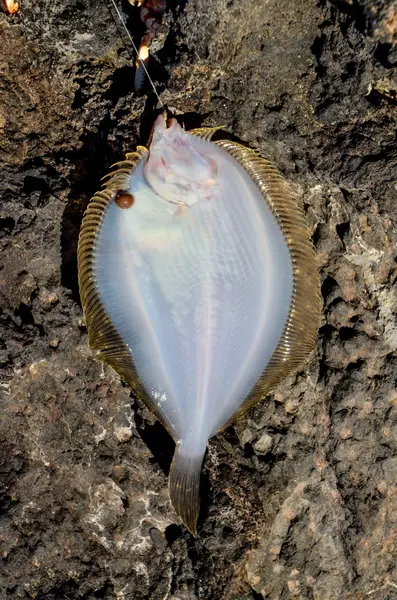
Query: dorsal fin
x,y
205,133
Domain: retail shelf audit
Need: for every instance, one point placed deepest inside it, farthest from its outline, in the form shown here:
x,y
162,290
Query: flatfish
x,y
199,286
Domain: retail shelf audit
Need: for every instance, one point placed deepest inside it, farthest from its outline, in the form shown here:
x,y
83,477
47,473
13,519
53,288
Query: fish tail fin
x,y
184,483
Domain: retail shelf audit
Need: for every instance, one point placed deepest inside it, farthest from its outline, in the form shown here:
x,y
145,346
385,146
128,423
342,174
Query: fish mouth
x,y
162,124
178,170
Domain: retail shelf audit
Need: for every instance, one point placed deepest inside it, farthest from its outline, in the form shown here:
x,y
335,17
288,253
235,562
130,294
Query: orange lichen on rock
x,y
11,6
390,25
387,27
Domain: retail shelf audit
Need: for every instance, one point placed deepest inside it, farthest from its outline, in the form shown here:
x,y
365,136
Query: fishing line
x,y
137,53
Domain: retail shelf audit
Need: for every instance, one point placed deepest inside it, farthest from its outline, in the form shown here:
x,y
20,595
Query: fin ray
x,y
184,485
205,133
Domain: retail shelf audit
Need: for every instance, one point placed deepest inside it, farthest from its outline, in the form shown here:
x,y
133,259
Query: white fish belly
x,y
200,296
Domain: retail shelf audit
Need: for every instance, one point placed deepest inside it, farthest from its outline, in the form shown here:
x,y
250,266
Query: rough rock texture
x,y
299,498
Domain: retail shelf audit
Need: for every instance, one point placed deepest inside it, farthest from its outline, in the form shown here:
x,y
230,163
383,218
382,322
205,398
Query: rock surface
x,y
299,498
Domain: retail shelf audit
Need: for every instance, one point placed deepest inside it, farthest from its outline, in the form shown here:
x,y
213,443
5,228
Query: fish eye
x,y
124,199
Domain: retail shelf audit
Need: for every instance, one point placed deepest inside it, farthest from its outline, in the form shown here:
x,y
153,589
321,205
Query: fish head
x,y
178,168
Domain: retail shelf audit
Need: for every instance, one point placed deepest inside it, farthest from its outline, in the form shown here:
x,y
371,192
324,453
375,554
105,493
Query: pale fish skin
x,y
197,279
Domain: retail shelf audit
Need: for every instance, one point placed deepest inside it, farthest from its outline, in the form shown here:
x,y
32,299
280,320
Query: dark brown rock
x,y
299,497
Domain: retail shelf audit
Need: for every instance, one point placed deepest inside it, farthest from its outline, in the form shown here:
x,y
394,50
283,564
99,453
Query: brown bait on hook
x,y
151,14
206,294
